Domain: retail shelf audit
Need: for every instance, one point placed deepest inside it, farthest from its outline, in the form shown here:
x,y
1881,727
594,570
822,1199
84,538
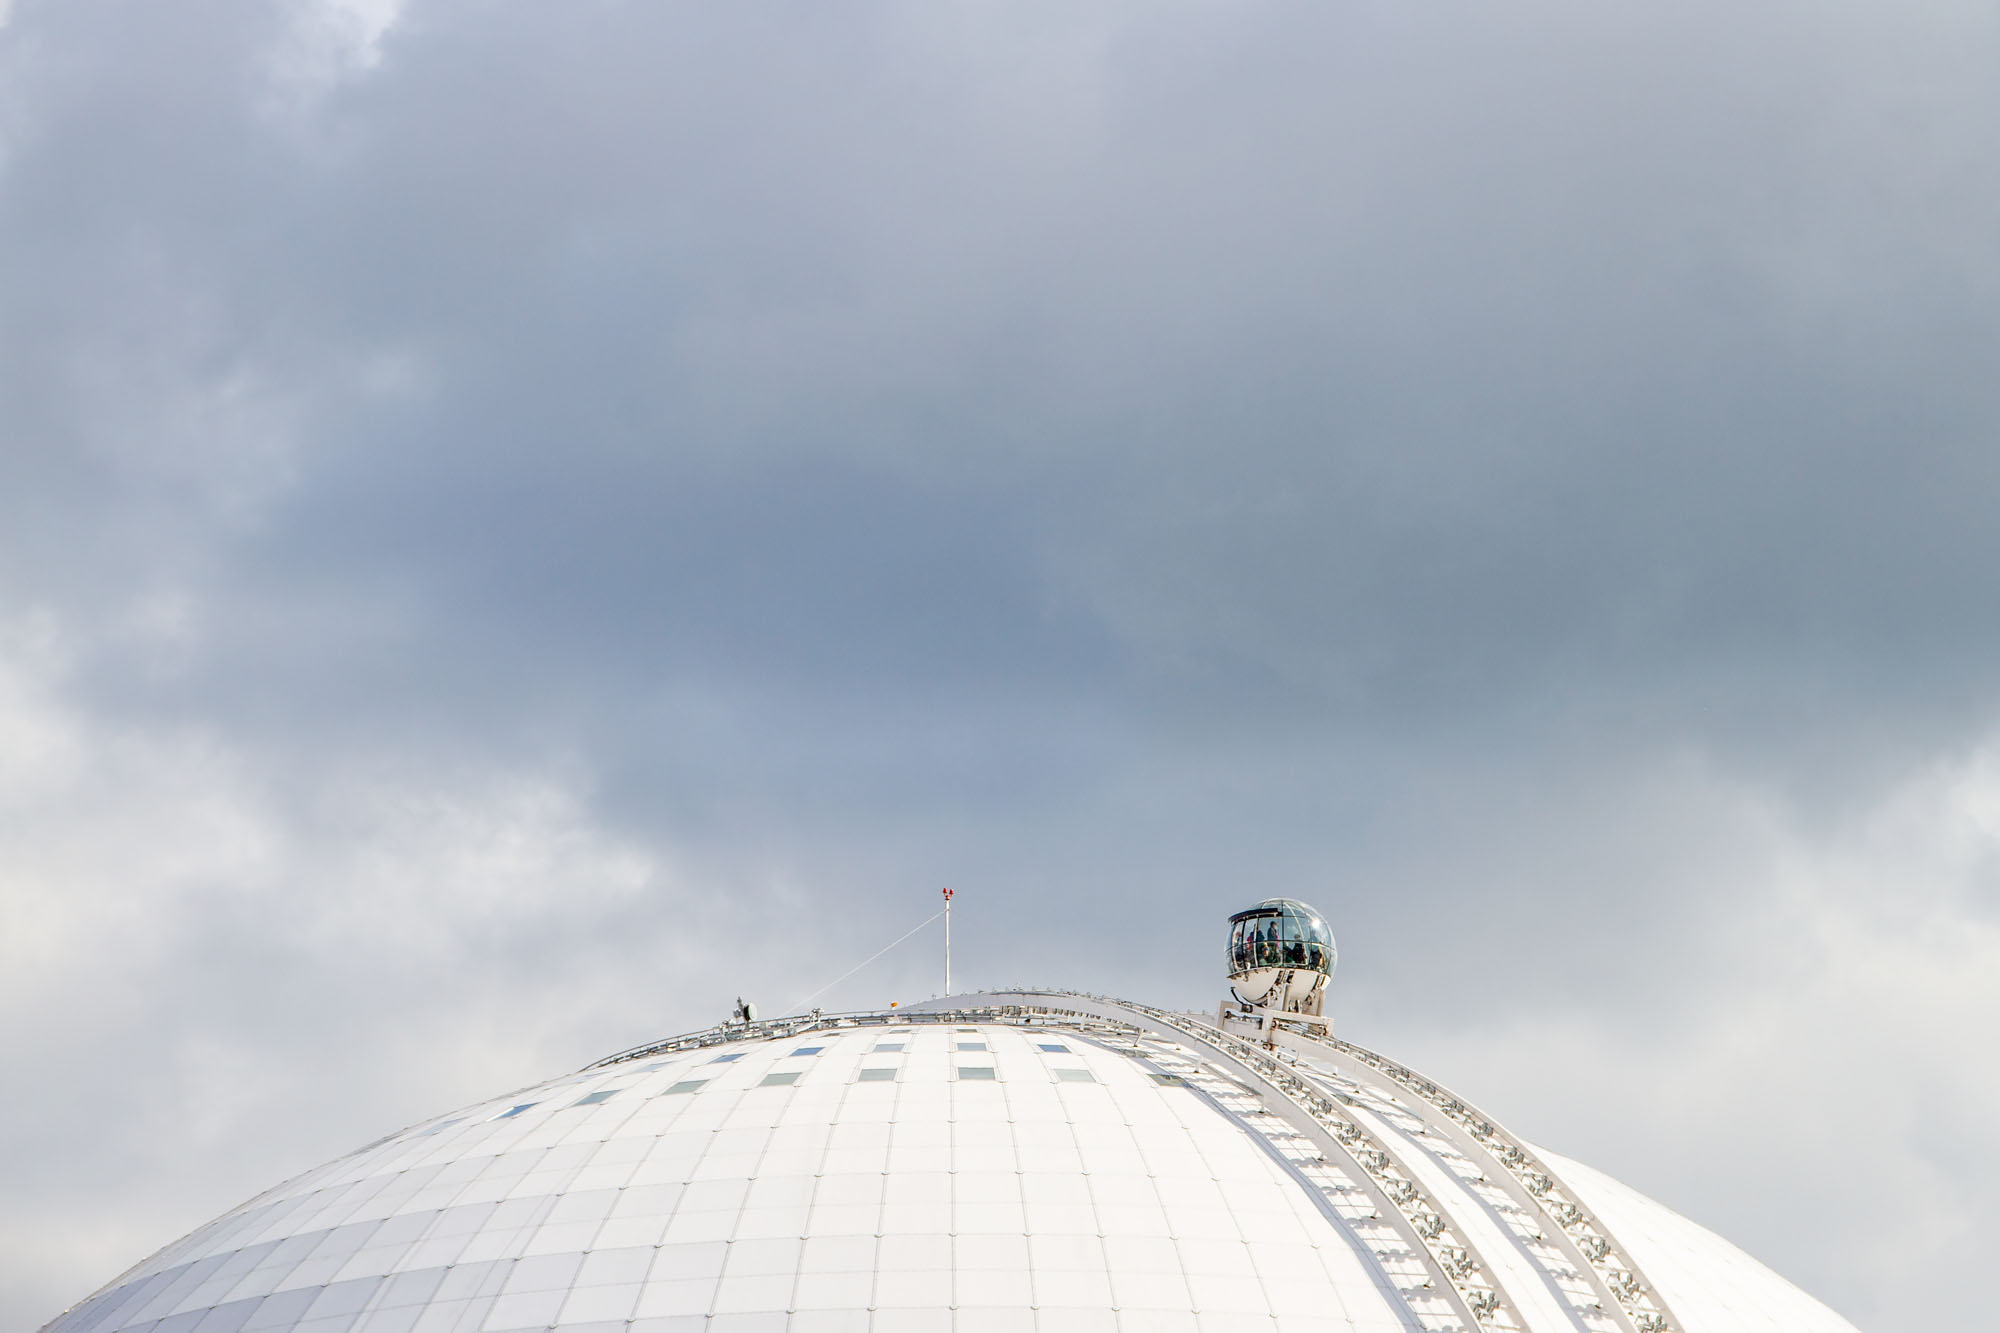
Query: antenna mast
x,y
947,941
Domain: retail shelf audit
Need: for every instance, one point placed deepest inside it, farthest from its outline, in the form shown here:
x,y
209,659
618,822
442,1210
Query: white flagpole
x,y
947,941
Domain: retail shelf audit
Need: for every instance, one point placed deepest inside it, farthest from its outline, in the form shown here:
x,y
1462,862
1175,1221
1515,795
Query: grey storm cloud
x,y
547,476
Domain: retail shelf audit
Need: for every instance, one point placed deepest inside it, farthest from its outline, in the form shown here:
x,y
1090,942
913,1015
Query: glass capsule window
x,y
1281,933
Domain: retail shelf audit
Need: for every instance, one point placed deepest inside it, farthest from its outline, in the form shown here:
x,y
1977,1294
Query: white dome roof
x,y
1029,1162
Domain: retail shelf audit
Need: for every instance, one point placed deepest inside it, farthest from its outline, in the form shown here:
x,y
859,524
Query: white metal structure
x,y
1009,1162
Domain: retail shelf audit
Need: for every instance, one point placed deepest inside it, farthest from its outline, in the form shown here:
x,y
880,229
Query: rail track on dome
x,y
1633,1301
1450,1265
1613,1265
758,1029
1454,1276
1357,1205
1450,1292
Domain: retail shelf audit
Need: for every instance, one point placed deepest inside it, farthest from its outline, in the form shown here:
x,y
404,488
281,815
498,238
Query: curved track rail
x,y
1592,1241
1330,1139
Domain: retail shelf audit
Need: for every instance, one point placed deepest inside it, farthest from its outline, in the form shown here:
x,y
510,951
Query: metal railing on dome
x,y
1617,1273
760,1029
1620,1274
1453,1256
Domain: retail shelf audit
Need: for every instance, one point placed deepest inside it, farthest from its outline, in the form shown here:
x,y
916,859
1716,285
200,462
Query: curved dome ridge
x,y
1028,1161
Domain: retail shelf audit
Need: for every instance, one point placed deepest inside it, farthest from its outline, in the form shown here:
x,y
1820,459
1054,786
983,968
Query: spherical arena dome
x,y
1008,1162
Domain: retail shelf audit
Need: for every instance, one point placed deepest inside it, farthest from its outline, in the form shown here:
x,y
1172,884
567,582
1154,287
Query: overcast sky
x,y
521,523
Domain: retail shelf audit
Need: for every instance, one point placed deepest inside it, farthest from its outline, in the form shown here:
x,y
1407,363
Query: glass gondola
x,y
1280,955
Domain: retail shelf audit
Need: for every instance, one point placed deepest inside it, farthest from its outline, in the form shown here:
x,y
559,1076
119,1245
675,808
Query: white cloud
x,y
329,41
238,969
1818,1088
